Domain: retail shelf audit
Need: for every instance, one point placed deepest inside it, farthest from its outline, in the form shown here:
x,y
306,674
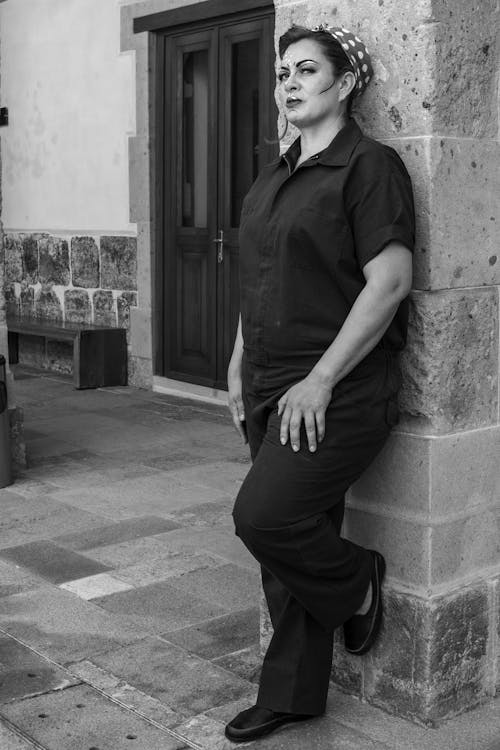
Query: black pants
x,y
289,514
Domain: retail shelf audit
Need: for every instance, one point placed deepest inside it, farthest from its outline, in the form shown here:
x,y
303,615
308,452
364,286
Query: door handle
x,y
220,249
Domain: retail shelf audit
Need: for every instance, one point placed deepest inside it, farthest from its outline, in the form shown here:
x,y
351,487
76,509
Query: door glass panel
x,y
195,139
244,122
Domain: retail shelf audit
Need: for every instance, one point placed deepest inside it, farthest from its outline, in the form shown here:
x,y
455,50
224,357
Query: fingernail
x,y
312,448
282,441
296,448
242,417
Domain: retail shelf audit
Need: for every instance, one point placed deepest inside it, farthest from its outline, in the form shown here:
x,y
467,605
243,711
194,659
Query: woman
x,y
326,237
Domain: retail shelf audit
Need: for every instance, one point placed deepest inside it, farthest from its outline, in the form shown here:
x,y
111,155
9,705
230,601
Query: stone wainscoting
x,y
82,279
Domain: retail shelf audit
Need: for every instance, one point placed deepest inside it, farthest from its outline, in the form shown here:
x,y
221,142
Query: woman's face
x,y
308,88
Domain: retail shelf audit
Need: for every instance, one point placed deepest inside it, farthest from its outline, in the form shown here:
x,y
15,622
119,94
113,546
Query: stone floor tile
x,y
24,673
184,682
126,694
46,446
206,732
473,730
32,488
149,707
24,519
15,579
103,439
219,636
149,549
246,663
122,531
222,543
100,476
320,734
159,607
158,494
206,514
228,711
93,587
62,626
95,676
225,476
152,570
53,563
229,586
10,740
79,717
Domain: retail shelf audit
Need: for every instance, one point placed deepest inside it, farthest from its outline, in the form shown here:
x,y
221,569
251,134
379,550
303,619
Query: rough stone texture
x,y
396,676
77,306
139,160
466,39
140,372
450,367
13,258
27,300
402,538
398,37
495,637
11,301
465,545
104,311
124,302
118,262
17,443
47,304
32,351
467,486
30,258
141,333
430,660
384,485
420,52
84,262
458,651
53,261
59,356
347,670
456,185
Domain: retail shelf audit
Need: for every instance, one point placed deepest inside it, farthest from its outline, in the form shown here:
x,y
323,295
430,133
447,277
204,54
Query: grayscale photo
x,y
249,374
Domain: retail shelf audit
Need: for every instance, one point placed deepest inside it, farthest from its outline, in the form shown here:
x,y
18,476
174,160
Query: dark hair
x,y
331,48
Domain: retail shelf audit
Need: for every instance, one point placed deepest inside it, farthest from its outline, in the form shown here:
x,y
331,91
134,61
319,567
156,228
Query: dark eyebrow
x,y
299,63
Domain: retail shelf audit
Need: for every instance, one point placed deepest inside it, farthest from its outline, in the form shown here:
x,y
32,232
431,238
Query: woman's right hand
x,y
235,398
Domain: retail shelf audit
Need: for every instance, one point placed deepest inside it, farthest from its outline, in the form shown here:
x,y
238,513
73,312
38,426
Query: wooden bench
x,y
99,353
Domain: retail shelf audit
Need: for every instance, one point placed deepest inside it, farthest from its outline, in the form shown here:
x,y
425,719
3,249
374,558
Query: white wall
x,y
71,100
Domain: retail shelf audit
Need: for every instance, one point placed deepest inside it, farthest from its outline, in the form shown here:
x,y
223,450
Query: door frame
x,y
159,25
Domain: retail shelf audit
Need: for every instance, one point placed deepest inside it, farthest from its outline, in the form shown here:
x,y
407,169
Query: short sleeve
x,y
379,202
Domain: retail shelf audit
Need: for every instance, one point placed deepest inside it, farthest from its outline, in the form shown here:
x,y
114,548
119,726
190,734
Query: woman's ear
x,y
347,83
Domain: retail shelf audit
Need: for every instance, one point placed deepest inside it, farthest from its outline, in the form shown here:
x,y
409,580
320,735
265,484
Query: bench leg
x,y
100,359
13,346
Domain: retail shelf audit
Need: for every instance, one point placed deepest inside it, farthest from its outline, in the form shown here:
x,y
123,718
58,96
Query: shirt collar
x,y
337,153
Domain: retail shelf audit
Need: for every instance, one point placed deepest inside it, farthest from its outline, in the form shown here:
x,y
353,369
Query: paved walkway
x,y
129,610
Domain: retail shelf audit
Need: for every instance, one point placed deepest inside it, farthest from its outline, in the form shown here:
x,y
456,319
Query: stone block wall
x,y
81,279
431,500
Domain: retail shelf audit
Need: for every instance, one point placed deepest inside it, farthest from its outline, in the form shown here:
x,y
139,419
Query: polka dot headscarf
x,y
356,53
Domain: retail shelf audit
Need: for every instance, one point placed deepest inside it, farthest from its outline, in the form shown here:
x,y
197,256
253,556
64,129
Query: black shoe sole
x,y
377,617
264,730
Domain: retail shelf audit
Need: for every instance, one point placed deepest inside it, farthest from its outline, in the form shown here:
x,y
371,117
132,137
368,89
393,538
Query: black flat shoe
x,y
360,631
256,722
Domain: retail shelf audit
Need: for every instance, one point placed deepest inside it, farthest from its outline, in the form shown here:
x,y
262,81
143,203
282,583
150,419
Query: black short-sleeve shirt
x,y
305,236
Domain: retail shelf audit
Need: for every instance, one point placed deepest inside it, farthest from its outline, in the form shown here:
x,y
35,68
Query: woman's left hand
x,y
307,400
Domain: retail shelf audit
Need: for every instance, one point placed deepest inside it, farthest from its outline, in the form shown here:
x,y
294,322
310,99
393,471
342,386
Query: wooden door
x,y
219,126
